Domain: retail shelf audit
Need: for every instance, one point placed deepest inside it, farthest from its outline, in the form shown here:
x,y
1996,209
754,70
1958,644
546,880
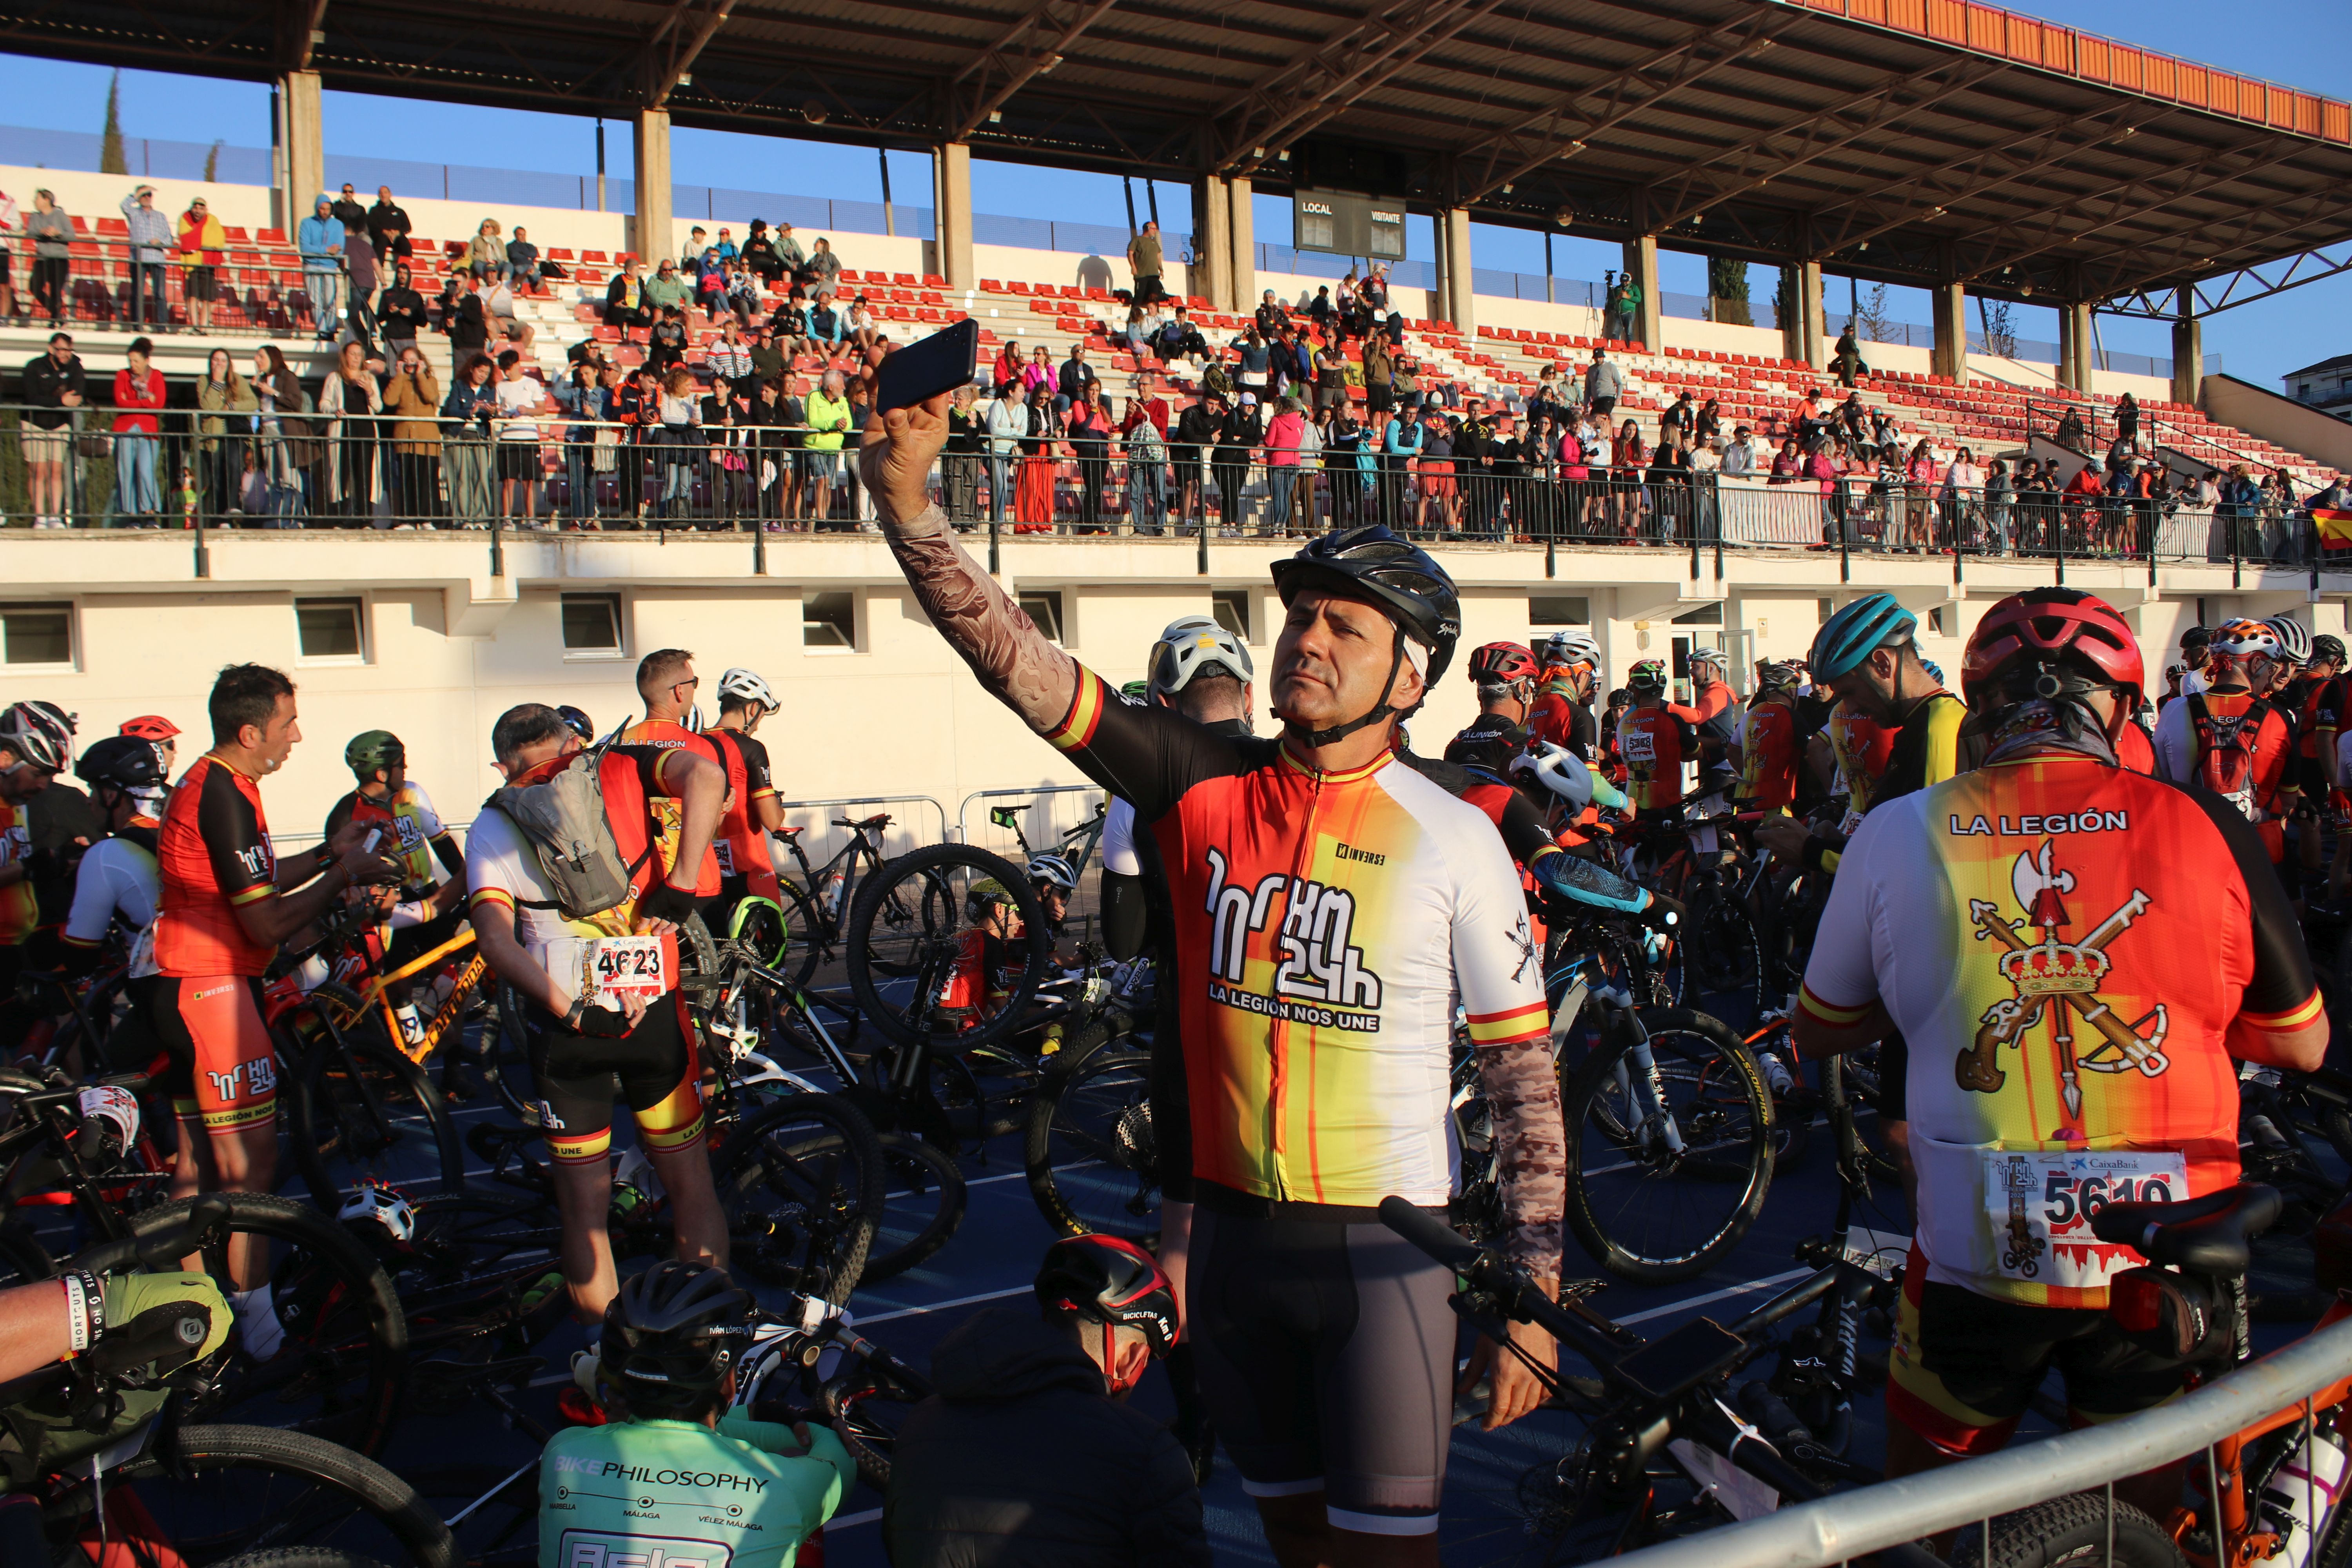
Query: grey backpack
x,y
563,817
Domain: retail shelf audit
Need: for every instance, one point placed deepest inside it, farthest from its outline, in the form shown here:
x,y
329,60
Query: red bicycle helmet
x,y
1500,663
149,727
2052,627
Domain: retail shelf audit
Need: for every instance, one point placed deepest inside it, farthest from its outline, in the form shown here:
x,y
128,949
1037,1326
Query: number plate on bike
x,y
1686,1358
2040,1201
613,968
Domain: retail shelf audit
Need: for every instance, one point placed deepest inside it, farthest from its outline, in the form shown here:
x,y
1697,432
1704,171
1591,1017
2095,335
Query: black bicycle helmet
x,y
2328,647
579,723
666,1336
1106,1279
122,761
1372,565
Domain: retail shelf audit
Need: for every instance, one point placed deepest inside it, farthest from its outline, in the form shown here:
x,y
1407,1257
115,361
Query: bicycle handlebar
x,y
157,1246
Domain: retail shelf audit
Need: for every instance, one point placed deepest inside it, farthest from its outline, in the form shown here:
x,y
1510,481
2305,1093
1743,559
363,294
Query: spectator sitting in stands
x,y
710,283
789,252
729,360
1884,435
860,325
690,259
388,227
725,245
498,301
523,259
2071,432
465,318
742,291
1320,308
769,361
789,322
824,269
665,344
1179,339
1076,377
625,298
666,289
487,254
347,211
827,327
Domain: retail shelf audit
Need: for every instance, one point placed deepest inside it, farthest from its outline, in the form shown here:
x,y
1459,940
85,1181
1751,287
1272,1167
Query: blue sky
x,y
2302,43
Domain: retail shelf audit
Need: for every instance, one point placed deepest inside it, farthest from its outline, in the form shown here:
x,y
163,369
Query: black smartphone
x,y
921,371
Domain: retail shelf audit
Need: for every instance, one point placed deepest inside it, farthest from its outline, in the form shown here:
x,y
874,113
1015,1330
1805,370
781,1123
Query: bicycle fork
x,y
1638,1078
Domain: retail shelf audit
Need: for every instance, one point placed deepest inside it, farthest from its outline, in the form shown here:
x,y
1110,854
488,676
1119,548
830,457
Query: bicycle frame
x,y
374,995
834,909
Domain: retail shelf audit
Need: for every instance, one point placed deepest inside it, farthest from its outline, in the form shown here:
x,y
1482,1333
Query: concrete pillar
x,y
1951,354
1243,231
652,234
951,171
2187,360
302,147
1453,269
1212,243
1802,335
1641,266
2074,351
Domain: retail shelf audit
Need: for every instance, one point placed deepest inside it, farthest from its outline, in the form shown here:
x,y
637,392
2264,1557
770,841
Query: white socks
x,y
257,1321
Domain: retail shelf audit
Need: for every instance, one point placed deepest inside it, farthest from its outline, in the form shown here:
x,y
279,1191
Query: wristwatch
x,y
579,1007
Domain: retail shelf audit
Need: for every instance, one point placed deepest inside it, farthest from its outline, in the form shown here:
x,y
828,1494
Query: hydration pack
x,y
564,816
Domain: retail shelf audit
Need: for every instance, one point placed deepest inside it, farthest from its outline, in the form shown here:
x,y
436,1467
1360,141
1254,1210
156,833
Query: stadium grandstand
x,y
1665,456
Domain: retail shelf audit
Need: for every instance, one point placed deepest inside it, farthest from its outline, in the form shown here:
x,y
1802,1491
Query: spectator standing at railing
x,y
1963,495
388,229
2080,501
150,246
1350,470
348,397
1146,468
1144,266
319,239
201,247
1198,429
226,408
960,461
520,399
1739,456
413,396
1283,433
1401,445
1999,499
138,393
1380,375
466,440
1008,421
291,443
775,419
51,233
1088,430
828,426
1033,486
53,390
1437,489
1238,448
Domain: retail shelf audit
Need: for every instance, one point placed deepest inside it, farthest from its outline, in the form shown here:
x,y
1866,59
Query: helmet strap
x,y
1381,709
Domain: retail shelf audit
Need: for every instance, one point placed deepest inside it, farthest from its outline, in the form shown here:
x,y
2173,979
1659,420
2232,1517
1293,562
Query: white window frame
x,y
366,618
72,607
858,624
619,651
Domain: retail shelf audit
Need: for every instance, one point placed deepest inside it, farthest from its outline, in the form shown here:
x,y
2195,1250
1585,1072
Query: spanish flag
x,y
2334,525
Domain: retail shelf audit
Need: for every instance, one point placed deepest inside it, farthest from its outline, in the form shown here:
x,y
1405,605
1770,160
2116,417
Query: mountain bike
x,y
1075,845
103,1440
1669,1122
346,1342
817,907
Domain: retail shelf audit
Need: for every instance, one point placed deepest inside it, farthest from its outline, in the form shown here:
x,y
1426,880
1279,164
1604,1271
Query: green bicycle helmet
x,y
1647,675
371,750
1872,622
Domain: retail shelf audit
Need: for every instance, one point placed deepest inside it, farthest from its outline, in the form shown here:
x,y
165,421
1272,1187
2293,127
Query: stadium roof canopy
x,y
1912,141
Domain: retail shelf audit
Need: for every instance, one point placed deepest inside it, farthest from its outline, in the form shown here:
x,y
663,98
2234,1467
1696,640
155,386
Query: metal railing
x,y
1850,1524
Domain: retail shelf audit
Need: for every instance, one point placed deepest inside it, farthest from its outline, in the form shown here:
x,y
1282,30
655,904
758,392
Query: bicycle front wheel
x,y
1092,1159
1669,1147
921,951
802,1184
923,1199
239,1490
361,1111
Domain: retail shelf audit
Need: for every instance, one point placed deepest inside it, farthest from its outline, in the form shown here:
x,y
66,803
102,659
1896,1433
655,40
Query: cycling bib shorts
x,y
1326,1348
656,1075
1966,1366
223,1071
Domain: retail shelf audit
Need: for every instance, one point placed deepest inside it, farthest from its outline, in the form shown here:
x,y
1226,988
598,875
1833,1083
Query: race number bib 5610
x,y
2040,1203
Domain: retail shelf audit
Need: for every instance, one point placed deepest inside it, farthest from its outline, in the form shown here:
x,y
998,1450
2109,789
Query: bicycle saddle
x,y
2212,1235
790,832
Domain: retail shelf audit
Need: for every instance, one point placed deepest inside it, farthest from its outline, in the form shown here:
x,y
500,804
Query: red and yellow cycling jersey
x,y
1861,746
1326,926
1656,744
1769,757
19,908
2071,950
741,845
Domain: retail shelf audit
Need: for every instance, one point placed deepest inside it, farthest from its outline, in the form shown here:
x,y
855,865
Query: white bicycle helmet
x,y
384,1205
1558,770
40,733
2233,641
1714,657
741,685
1572,647
1054,872
2294,637
1191,644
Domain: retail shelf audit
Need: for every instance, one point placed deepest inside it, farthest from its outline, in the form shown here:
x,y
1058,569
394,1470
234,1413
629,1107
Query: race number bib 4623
x,y
613,968
2040,1203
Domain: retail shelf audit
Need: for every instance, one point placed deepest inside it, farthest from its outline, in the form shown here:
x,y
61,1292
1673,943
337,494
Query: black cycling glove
x,y
663,902
602,1023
